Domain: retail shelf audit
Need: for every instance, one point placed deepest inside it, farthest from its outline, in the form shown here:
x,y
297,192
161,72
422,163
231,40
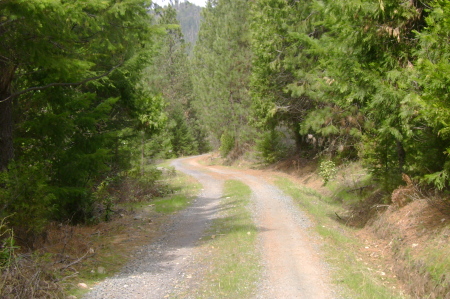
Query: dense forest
x,y
340,80
92,91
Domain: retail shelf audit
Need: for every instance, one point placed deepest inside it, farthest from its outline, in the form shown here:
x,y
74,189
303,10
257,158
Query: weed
x,y
7,247
327,171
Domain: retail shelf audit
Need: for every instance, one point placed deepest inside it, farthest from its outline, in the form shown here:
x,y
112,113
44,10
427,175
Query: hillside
x,y
188,15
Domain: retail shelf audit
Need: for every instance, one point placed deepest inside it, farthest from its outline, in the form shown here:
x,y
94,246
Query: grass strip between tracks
x,y
230,248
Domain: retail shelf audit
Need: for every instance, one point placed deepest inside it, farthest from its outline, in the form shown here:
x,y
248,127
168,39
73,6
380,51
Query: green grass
x,y
357,280
232,245
172,204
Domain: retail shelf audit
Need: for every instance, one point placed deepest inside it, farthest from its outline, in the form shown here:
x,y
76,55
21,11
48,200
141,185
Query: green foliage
x,y
169,76
26,198
227,142
379,92
7,245
221,69
327,170
69,137
183,139
271,147
439,179
103,198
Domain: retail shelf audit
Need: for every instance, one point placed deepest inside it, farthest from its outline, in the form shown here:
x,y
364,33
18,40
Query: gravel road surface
x,y
291,262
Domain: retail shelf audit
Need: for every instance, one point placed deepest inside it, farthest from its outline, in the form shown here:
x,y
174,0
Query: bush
x,y
327,171
271,147
226,144
25,198
7,247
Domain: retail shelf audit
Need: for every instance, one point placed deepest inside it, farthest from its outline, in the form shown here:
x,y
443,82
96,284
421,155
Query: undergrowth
x,y
67,255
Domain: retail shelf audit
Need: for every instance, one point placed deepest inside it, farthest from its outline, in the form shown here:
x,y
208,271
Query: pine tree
x,y
221,71
169,75
72,88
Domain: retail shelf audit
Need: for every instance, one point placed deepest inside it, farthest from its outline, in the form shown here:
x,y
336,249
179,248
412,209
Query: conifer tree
x,y
221,71
169,75
69,90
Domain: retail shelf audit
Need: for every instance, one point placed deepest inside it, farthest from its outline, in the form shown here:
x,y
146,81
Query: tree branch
x,y
61,84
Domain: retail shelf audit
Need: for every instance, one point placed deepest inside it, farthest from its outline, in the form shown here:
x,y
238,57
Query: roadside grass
x,y
356,278
233,259
114,243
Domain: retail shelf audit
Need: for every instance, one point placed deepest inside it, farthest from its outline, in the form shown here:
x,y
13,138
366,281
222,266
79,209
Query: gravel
x,y
161,265
292,266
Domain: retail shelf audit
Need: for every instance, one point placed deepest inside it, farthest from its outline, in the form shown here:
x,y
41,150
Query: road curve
x,y
292,266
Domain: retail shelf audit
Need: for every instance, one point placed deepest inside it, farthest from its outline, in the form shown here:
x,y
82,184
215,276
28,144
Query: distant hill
x,y
188,15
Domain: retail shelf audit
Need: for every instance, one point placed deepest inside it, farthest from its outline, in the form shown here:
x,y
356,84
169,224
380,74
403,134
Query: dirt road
x,y
292,266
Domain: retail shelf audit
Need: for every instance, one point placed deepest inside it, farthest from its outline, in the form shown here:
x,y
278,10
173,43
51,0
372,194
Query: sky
x,y
201,3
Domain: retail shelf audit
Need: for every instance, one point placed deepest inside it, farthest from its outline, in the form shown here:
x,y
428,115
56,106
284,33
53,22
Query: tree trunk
x,y
142,153
6,120
401,156
299,143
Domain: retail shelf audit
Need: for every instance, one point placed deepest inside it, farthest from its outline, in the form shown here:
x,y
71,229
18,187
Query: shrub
x,y
25,198
7,245
271,147
226,144
327,171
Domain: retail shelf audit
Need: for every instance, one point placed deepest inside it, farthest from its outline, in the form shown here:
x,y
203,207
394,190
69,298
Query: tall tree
x,y
169,75
61,43
350,78
221,70
76,101
189,16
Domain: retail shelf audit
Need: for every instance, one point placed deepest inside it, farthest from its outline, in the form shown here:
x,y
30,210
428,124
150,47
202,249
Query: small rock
x,y
415,245
101,270
82,285
248,233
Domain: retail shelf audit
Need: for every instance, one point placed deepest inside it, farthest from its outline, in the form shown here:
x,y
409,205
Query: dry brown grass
x,y
30,277
72,254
